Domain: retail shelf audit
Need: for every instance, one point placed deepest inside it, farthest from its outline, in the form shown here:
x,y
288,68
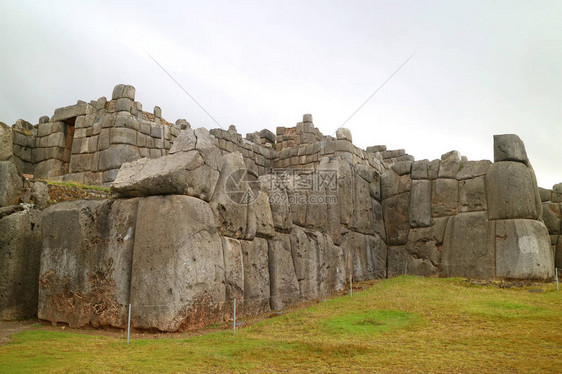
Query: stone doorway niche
x,y
69,126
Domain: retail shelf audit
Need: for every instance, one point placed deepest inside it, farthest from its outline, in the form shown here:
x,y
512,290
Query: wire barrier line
x,y
377,90
183,89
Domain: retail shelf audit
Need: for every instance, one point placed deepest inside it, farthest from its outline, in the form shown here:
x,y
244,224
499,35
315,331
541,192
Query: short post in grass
x,y
406,267
234,318
129,325
351,285
556,272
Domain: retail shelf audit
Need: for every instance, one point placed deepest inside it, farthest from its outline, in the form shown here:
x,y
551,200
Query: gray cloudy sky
x,y
481,67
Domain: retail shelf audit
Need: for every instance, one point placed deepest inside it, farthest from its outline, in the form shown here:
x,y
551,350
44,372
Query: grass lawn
x,y
404,324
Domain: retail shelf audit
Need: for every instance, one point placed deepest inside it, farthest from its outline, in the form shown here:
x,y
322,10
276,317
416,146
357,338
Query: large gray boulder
x,y
199,139
468,249
285,289
420,203
10,183
472,195
512,191
86,262
234,272
523,250
178,278
445,197
396,218
557,193
393,184
450,164
6,142
233,197
278,201
20,251
366,256
552,217
473,169
319,264
509,147
255,258
183,173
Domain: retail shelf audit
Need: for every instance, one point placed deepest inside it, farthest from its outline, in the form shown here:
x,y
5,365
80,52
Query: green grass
x,y
405,324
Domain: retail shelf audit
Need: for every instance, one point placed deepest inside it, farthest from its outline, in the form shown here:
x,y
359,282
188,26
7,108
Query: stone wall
x,y
454,217
198,218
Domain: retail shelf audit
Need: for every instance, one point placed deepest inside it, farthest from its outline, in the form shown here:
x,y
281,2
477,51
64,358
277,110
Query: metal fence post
x,y
234,318
129,325
556,270
351,285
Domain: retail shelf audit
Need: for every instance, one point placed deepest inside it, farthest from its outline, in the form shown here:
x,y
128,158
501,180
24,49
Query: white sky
x,y
481,67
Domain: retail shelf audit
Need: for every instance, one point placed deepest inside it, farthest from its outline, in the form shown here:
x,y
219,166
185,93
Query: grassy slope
x,y
405,324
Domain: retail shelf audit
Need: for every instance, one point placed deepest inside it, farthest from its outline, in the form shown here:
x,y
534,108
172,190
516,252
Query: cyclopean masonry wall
x,y
270,220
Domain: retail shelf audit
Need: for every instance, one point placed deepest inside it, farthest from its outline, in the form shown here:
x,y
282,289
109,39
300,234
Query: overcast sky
x,y
480,67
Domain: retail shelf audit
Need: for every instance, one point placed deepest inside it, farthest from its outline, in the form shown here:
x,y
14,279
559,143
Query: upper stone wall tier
x,y
453,217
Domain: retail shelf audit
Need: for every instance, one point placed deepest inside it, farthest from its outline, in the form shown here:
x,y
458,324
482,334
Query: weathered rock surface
x,y
509,147
523,250
396,218
450,165
6,142
512,191
552,217
234,214
278,201
557,193
366,256
468,249
86,262
473,169
178,279
10,183
183,173
472,195
257,289
234,272
285,289
20,251
420,203
445,197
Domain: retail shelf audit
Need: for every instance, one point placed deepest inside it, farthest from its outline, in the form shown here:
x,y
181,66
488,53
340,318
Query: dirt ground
x,y
8,328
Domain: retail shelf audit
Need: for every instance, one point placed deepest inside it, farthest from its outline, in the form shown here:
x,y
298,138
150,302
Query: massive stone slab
x,y
420,203
512,191
183,173
10,183
450,165
473,169
472,195
6,142
178,280
232,198
234,273
285,289
445,197
523,250
365,256
396,218
278,201
257,289
469,246
20,251
509,147
86,262
552,217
